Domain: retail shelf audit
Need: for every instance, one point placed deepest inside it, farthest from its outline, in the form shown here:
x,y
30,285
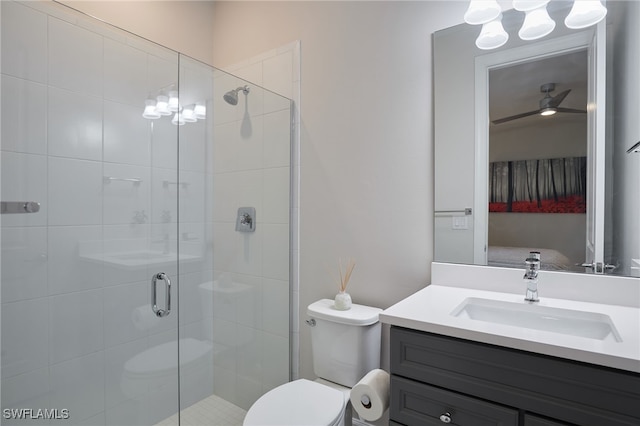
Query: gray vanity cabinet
x,y
438,379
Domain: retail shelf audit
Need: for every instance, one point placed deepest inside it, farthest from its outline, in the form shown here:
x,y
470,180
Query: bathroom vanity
x,y
456,358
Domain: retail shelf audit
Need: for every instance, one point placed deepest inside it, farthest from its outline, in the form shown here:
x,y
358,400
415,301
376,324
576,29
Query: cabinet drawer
x,y
566,390
414,403
531,420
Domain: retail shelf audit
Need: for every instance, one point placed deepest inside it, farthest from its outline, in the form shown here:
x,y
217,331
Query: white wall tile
x,y
250,354
224,342
27,390
275,247
224,383
24,263
192,197
125,74
275,354
24,42
128,314
24,178
74,125
248,391
24,348
24,116
277,139
76,325
164,195
162,72
75,192
278,73
248,147
192,137
118,388
127,135
122,199
275,307
70,267
249,252
224,235
164,143
191,307
275,201
78,385
119,240
248,302
75,58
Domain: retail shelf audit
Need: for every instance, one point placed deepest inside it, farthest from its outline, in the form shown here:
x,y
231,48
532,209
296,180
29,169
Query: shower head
x,y
231,97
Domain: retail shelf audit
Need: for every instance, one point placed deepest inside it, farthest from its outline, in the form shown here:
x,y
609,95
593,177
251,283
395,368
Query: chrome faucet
x,y
531,276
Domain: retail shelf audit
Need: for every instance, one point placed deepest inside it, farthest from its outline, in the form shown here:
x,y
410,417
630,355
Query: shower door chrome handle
x,y
160,276
14,207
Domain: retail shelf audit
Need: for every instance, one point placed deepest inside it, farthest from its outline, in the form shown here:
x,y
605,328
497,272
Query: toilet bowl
x,y
301,402
346,345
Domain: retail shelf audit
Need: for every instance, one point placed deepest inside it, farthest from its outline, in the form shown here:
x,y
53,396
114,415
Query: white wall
x,y
626,109
181,25
366,136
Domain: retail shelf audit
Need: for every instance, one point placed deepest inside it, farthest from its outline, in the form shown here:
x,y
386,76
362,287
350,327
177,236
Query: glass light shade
x,y
482,11
150,110
537,24
188,115
200,111
585,13
548,111
162,105
174,105
178,119
525,5
492,35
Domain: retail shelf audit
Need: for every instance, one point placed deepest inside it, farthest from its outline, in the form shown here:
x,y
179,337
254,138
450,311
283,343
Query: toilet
x,y
345,347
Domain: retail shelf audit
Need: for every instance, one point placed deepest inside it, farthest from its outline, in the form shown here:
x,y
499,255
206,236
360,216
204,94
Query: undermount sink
x,y
591,325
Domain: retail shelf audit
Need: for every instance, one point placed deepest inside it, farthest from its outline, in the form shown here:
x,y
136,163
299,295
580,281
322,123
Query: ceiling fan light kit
x,y
537,22
548,105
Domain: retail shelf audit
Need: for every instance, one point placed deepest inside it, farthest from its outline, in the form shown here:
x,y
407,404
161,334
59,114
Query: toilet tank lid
x,y
357,315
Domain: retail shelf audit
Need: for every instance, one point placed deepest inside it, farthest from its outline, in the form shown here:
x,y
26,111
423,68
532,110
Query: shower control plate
x,y
246,220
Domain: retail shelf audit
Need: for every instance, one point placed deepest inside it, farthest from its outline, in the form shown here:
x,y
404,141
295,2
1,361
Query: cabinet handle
x,y
445,418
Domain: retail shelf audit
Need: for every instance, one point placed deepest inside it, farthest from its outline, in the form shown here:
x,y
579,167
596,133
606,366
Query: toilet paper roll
x,y
143,318
370,396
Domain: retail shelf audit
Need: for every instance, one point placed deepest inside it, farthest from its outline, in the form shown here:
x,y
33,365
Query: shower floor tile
x,y
211,411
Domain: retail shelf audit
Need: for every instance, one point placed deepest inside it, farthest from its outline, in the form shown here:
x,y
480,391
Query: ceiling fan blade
x,y
515,117
572,110
557,99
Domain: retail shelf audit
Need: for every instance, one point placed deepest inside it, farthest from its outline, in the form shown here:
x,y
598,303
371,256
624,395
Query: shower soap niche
x,y
246,220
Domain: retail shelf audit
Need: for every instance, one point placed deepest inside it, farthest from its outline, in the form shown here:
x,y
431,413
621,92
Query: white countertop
x,y
430,310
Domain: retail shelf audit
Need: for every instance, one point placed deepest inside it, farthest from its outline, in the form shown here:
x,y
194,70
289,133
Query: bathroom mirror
x,y
508,180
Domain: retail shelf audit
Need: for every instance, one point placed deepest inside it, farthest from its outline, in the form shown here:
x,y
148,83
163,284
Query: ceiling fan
x,y
549,105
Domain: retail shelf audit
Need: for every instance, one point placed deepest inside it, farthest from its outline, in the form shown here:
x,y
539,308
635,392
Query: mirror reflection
x,y
522,159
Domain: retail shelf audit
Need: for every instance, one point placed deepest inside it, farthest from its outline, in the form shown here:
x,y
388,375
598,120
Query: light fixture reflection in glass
x,y
492,35
174,105
482,11
162,105
178,119
537,24
200,111
188,115
585,13
150,111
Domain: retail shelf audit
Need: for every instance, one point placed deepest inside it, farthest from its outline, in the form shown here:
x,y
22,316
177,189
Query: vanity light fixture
x,y
585,13
178,119
174,105
537,22
200,111
150,111
188,114
492,35
482,11
162,104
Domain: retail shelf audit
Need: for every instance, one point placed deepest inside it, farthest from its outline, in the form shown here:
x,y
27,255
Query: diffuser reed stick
x,y
346,276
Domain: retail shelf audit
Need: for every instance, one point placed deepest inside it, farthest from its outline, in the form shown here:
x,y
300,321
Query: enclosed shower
x,y
129,295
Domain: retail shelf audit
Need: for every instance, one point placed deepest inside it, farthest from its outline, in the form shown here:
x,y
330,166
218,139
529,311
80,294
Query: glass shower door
x,y
82,342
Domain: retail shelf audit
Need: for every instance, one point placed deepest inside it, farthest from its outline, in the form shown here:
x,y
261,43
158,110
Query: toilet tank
x,y
345,344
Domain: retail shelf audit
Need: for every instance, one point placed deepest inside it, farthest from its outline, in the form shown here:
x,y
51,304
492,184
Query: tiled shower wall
x,y
74,297
254,152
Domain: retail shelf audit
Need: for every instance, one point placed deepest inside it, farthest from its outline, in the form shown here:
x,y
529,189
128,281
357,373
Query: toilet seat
x,y
301,402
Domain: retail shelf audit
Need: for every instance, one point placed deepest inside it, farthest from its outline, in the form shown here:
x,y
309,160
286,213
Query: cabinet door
x,y
531,420
414,403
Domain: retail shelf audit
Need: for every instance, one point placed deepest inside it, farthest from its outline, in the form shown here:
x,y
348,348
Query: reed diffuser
x,y
342,302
